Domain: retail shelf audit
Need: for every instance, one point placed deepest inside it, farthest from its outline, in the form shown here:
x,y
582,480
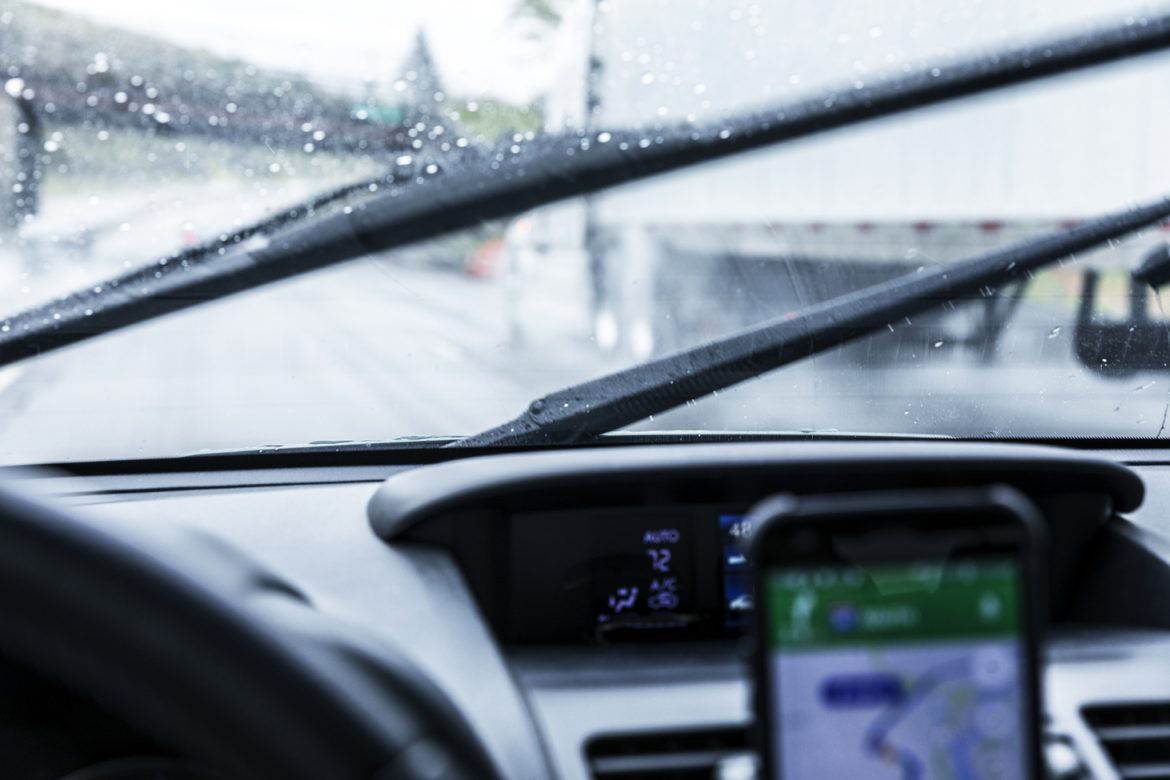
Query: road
x,y
367,351
388,347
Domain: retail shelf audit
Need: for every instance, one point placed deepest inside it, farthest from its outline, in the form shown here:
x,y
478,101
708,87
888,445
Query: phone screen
x,y
910,669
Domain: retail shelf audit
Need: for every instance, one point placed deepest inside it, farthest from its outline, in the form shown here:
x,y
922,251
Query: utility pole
x,y
594,241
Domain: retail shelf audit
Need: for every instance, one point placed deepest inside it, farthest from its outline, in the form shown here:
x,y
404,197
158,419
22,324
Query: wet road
x,y
367,351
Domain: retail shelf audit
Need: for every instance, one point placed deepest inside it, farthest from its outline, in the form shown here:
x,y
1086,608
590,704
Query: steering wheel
x,y
195,644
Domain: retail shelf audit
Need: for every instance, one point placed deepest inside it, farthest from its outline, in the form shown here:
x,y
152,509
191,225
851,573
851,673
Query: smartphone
x,y
896,634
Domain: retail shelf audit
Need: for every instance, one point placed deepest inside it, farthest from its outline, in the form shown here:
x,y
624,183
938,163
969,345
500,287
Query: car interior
x,y
448,625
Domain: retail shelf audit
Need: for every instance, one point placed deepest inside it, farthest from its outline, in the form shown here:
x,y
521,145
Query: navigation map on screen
x,y
897,671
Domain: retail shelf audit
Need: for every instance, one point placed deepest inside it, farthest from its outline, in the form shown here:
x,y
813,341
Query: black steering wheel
x,y
195,644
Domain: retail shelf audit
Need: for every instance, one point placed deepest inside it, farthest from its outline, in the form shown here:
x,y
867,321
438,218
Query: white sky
x,y
344,42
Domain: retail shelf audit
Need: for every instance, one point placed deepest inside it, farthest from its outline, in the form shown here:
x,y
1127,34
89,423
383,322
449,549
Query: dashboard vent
x,y
678,755
1136,736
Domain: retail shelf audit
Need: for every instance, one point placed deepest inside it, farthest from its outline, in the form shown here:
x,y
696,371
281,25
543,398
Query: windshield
x,y
131,132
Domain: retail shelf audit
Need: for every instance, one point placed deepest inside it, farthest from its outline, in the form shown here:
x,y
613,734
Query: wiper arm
x,y
584,411
500,183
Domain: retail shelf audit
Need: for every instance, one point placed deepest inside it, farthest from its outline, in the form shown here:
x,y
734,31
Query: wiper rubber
x,y
585,411
497,183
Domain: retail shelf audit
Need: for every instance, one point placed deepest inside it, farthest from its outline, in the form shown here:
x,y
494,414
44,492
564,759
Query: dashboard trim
x,y
411,498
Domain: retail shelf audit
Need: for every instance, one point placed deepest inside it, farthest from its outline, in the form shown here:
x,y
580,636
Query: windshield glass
x,y
131,131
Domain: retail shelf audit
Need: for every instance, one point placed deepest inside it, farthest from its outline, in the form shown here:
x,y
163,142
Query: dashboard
x,y
624,546
584,609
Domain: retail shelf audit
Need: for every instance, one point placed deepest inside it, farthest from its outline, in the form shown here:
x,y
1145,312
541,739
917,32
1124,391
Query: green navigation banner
x,y
865,606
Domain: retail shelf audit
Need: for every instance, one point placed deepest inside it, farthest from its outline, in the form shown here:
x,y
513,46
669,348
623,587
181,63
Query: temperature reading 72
x,y
659,559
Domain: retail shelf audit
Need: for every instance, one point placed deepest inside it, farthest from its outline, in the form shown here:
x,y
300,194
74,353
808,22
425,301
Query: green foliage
x,y
492,119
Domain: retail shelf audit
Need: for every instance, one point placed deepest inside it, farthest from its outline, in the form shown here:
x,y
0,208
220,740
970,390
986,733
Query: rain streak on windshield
x,y
130,135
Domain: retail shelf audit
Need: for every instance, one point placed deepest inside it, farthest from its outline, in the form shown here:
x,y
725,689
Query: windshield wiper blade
x,y
502,182
298,212
584,411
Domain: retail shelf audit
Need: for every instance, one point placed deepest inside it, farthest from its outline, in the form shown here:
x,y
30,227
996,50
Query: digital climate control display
x,y
643,578
618,575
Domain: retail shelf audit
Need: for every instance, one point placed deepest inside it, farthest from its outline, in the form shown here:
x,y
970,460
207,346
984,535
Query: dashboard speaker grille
x,y
1135,735
679,755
